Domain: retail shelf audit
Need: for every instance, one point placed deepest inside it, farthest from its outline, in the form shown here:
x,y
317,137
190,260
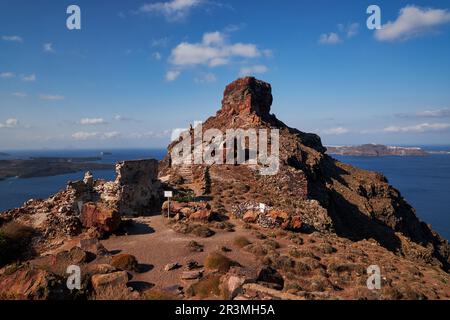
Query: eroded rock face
x,y
32,284
115,281
311,189
99,216
245,96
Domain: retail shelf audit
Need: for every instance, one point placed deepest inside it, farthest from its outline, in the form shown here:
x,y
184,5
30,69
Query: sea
x,y
423,181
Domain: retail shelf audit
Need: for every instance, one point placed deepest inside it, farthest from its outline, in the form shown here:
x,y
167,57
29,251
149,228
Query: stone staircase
x,y
186,172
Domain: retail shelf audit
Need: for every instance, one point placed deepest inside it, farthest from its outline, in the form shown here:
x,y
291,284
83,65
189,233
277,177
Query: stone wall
x,y
139,190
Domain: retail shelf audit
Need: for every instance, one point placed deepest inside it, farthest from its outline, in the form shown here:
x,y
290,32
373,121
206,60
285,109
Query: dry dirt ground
x,y
156,245
314,266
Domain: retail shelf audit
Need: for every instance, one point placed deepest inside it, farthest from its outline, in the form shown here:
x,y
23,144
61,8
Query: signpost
x,y
262,207
168,195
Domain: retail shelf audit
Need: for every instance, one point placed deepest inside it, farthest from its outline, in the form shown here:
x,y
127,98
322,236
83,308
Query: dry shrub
x,y
325,248
15,240
15,231
257,249
111,293
217,261
207,287
336,267
194,246
298,253
241,241
195,229
271,244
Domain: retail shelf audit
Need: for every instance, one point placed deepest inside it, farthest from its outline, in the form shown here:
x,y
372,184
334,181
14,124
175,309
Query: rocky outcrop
x,y
29,283
316,191
267,217
45,278
99,216
194,211
90,203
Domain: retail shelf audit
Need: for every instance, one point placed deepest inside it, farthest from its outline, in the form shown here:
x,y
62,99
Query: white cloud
x,y
172,75
248,71
7,75
413,22
157,56
206,78
12,38
83,136
329,38
92,121
111,135
419,128
234,27
351,30
119,117
437,113
29,78
48,47
19,94
267,53
174,10
10,123
161,42
336,131
216,37
51,97
212,51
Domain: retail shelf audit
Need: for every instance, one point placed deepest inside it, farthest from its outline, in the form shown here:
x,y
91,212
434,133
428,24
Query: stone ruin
x,y
135,191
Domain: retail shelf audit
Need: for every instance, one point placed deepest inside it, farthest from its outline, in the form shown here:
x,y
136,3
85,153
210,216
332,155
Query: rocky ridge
x,y
328,195
308,232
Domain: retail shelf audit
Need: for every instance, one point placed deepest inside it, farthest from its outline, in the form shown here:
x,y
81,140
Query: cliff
x,y
294,224
328,195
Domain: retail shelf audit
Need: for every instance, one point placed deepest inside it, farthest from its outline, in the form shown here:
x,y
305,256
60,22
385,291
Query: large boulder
x,y
115,281
232,282
124,262
270,277
99,216
28,283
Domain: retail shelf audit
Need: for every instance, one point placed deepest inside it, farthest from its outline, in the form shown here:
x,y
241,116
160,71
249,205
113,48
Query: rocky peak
x,y
247,96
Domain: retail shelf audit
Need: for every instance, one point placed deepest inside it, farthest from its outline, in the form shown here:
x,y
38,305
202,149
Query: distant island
x,y
3,154
375,150
48,166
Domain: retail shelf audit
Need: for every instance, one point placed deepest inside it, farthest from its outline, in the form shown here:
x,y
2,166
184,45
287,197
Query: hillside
x,y
309,231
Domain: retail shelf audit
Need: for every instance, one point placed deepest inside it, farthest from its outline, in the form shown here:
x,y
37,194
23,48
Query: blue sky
x,y
138,69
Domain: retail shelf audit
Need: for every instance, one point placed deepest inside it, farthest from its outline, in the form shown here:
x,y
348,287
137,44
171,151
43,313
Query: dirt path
x,y
155,245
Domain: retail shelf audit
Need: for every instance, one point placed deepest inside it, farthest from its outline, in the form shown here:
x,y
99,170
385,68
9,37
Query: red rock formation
x,y
99,216
316,191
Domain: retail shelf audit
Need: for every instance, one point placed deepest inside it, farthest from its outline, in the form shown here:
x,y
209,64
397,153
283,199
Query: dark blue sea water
x,y
423,181
14,192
